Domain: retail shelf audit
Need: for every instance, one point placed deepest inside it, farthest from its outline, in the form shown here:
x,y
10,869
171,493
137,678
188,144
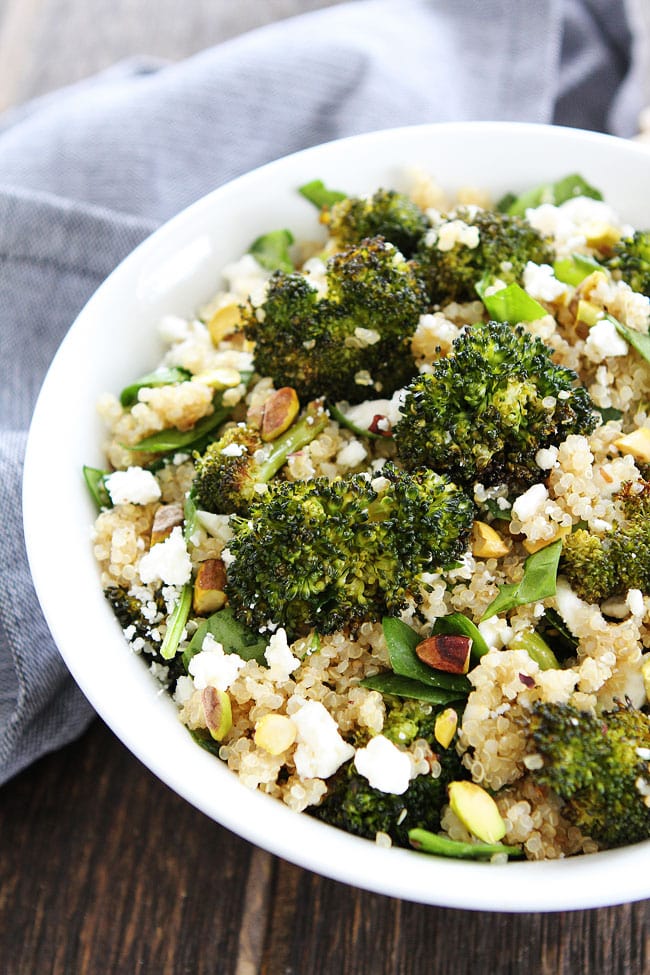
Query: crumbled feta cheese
x,y
279,657
604,341
384,765
363,378
541,283
216,525
635,602
456,232
546,458
366,336
184,690
321,750
434,332
352,454
528,504
317,271
245,277
234,450
133,486
496,632
159,671
173,329
212,666
362,414
496,286
571,222
167,561
570,607
227,557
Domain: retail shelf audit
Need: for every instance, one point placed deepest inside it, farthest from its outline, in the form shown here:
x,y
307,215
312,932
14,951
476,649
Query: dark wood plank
x,y
105,870
322,927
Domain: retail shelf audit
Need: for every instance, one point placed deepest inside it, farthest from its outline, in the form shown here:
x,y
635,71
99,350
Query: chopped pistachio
x,y
541,543
219,378
477,811
588,313
445,727
446,651
636,443
217,711
167,517
209,595
280,410
488,543
602,236
224,320
275,733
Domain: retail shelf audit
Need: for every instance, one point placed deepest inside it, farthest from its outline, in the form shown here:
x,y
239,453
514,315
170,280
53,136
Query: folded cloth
x,y
88,172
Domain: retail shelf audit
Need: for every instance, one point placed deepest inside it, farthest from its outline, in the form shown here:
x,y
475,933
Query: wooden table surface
x,y
105,871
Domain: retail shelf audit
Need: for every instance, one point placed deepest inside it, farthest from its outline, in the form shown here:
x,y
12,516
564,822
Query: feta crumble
x,y
447,235
234,450
541,283
530,502
279,657
604,341
168,561
352,454
321,750
132,486
635,602
546,458
384,766
212,666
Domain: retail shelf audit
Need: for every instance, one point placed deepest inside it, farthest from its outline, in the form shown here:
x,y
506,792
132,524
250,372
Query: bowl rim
x,y
576,883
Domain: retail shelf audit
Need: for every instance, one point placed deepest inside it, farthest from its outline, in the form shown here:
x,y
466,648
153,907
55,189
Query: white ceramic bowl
x,y
114,339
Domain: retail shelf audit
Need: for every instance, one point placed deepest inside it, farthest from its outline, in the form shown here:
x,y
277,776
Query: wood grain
x,y
104,871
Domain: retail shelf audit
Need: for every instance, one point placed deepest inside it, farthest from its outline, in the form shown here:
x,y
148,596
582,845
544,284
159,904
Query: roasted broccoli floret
x,y
600,566
600,767
352,804
324,554
471,244
631,260
349,344
230,469
386,213
485,410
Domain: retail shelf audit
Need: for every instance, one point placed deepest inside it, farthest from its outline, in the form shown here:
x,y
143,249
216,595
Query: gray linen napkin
x,y
88,172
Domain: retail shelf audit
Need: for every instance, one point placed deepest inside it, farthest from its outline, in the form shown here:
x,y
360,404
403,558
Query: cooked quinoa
x,y
579,481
